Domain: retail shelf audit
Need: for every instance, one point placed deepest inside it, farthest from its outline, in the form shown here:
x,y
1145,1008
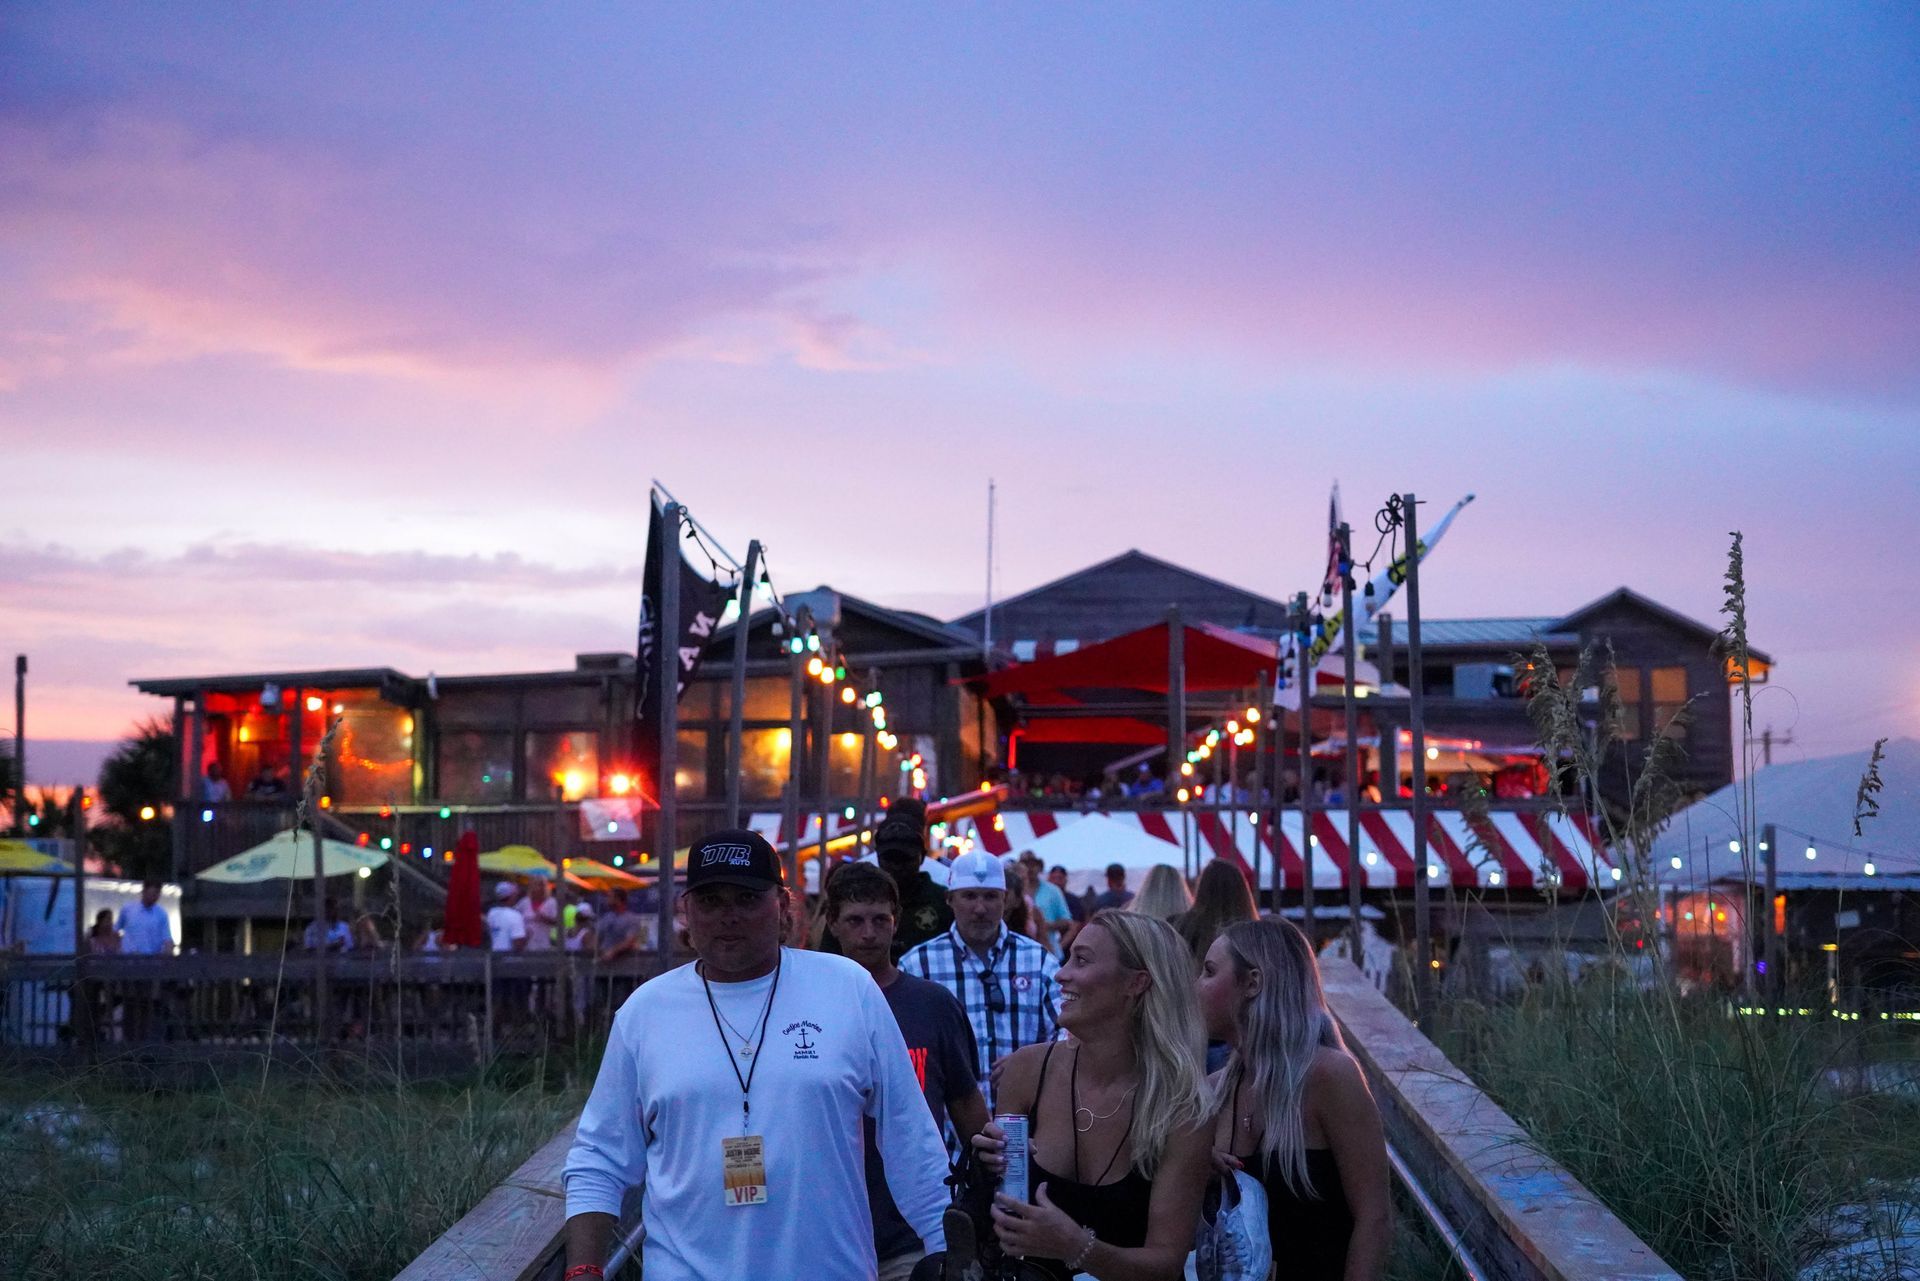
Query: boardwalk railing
x,y
1508,1211
517,1232
60,1007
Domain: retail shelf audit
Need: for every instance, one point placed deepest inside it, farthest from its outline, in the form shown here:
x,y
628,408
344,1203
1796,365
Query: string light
x,y
814,665
1253,716
1733,847
847,695
1869,869
1181,795
146,813
1810,853
1675,860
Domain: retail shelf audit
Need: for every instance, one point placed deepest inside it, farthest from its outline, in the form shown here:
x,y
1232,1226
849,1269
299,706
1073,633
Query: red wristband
x,y
584,1270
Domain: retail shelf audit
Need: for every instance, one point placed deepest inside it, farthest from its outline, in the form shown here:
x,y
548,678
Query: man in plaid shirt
x,y
1005,981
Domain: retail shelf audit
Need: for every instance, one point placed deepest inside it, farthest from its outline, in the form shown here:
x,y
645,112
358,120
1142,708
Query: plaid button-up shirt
x,y
1019,969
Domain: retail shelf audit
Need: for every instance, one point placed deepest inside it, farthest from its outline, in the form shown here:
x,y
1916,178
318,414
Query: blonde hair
x,y
1169,1039
1281,1028
1162,894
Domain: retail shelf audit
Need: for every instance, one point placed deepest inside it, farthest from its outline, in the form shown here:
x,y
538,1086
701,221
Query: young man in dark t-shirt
x,y
862,905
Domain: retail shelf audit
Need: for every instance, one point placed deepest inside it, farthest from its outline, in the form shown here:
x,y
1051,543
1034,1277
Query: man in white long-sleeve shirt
x,y
732,1092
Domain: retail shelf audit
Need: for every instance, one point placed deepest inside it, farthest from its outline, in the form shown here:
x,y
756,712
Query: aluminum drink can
x,y
1014,1182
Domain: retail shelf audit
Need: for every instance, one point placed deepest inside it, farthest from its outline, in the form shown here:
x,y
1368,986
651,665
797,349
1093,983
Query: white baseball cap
x,y
505,889
976,870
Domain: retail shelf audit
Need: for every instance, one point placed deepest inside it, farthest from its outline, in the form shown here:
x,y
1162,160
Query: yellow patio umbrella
x,y
595,875
516,860
289,856
18,856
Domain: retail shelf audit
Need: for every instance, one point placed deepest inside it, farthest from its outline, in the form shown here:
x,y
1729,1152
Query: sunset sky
x,y
352,334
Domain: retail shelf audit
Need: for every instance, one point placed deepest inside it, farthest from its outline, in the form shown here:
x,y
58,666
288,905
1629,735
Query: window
x,y
1626,684
371,762
1669,696
768,699
690,769
564,763
476,766
764,756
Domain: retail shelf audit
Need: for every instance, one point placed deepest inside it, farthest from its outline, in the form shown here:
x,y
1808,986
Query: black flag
x,y
701,602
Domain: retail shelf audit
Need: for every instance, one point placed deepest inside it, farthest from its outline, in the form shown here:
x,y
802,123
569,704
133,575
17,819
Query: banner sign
x,y
701,603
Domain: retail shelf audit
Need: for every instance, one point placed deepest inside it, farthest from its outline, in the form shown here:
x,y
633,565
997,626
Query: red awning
x,y
1090,729
1214,658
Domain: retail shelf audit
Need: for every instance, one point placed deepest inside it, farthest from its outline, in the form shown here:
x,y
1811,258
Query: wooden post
x,y
736,720
1770,853
796,751
824,733
869,755
666,652
1177,723
1417,718
1304,668
1350,787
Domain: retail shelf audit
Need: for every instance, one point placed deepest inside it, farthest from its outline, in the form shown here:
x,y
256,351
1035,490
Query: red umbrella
x,y
464,927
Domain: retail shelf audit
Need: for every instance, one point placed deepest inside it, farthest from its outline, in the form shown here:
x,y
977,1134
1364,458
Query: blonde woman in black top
x,y
1294,1110
1118,1117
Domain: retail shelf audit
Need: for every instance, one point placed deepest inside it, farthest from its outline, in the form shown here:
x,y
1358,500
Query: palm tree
x,y
136,785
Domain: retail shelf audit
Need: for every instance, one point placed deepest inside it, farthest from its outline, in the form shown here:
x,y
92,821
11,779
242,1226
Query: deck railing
x,y
62,1007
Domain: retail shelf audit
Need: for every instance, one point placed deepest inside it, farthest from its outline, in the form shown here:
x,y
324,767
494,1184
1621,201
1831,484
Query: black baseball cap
x,y
901,834
734,857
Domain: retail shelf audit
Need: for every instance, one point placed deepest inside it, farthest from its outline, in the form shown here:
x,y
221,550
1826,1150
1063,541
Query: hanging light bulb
x,y
813,666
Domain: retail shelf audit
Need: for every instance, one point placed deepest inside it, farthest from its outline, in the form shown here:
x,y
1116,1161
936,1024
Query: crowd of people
x,y
787,1111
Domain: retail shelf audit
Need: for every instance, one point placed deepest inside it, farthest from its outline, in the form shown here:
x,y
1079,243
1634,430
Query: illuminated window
x,y
1626,683
563,763
1669,696
764,756
372,757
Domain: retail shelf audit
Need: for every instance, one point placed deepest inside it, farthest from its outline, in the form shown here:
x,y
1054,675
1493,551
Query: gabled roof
x,y
1634,600
1250,608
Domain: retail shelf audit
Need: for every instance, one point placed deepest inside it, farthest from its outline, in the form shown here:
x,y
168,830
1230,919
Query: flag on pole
x,y
1330,581
1380,590
702,601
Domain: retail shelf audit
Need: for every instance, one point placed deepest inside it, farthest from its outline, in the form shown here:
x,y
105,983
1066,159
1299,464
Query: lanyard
x,y
746,1081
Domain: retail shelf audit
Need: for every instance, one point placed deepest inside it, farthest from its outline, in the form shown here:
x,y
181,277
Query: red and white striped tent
x,y
1513,850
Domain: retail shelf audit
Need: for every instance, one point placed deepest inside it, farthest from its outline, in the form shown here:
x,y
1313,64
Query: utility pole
x,y
736,719
986,627
19,744
1767,740
666,652
1417,723
1350,787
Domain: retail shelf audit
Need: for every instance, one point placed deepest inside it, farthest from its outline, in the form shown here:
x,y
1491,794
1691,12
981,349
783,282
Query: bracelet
x,y
1086,1248
584,1270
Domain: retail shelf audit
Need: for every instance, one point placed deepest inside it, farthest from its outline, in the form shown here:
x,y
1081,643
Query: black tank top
x,y
1312,1230
1117,1211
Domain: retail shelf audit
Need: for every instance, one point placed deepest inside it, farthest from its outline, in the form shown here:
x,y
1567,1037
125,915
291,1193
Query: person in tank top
x,y
1118,1117
1295,1111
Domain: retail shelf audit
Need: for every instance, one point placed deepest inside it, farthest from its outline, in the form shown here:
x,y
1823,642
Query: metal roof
x,y
1514,633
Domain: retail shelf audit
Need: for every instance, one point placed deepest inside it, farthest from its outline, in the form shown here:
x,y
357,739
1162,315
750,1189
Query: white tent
x,y
1811,806
1085,844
